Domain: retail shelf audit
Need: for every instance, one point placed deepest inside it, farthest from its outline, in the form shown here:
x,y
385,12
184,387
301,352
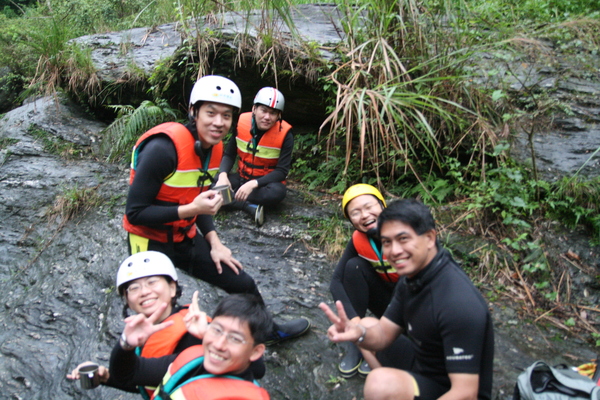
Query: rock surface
x,y
59,302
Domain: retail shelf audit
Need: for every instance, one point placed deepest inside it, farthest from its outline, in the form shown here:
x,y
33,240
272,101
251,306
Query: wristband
x,y
123,343
362,337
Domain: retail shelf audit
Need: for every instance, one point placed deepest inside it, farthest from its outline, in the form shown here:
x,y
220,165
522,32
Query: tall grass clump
x,y
401,103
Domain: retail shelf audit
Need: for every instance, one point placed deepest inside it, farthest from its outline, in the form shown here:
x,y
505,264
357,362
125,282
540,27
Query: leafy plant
x,y
574,200
132,122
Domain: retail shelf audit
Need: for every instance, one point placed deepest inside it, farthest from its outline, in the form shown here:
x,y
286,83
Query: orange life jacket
x,y
164,342
206,386
182,186
366,248
258,159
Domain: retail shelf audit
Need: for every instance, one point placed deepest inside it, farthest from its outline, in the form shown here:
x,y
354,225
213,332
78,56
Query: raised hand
x,y
196,320
138,328
342,330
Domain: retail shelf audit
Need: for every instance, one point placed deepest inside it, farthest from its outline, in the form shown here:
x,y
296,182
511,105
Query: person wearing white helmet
x,y
170,205
147,281
264,143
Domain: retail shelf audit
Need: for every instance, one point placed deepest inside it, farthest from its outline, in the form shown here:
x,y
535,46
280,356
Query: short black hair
x,y
247,308
410,212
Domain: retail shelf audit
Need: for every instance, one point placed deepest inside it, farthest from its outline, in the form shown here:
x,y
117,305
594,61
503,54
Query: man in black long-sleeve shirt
x,y
264,145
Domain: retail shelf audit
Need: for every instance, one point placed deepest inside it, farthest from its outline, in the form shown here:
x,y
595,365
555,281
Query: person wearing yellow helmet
x,y
362,280
263,144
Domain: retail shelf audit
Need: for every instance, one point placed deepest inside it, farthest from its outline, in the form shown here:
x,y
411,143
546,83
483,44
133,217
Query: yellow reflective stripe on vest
x,y
377,265
263,151
188,179
177,395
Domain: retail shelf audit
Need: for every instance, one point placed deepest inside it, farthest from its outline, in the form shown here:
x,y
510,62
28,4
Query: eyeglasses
x,y
136,288
232,338
357,212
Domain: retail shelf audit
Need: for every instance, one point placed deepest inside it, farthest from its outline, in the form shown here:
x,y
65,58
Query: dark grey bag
x,y
543,382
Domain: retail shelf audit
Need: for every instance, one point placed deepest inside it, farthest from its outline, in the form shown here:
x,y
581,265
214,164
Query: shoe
x,y
364,369
259,215
348,367
288,330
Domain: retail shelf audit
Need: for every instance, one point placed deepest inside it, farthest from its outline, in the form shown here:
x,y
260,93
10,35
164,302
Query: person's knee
x,y
270,195
389,383
354,267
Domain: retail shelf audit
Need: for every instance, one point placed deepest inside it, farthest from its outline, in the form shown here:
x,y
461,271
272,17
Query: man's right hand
x,y
206,203
342,330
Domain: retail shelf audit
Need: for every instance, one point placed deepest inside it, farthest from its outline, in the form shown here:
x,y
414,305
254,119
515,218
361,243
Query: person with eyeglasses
x,y
146,281
363,279
170,205
263,143
219,368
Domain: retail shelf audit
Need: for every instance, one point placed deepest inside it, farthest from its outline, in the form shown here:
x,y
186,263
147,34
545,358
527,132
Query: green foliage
x,y
574,200
73,201
132,122
402,104
5,142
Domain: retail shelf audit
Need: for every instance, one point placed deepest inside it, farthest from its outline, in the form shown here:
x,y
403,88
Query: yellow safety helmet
x,y
358,190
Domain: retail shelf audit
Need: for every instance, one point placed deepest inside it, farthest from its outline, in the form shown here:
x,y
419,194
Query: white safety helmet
x,y
216,89
270,97
143,264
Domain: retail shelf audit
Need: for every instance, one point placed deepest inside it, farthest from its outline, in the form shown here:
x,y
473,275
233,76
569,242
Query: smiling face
x,y
145,295
406,251
265,117
363,212
213,121
229,347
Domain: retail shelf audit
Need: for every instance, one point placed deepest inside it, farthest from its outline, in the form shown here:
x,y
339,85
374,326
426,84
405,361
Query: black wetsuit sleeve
x,y
127,369
336,286
126,388
229,156
156,160
279,174
205,223
188,340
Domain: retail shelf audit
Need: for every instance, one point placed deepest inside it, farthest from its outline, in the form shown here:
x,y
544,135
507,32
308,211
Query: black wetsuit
x,y
157,160
449,327
358,286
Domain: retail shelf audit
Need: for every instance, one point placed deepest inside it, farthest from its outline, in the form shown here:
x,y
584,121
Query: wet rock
x,y
60,307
